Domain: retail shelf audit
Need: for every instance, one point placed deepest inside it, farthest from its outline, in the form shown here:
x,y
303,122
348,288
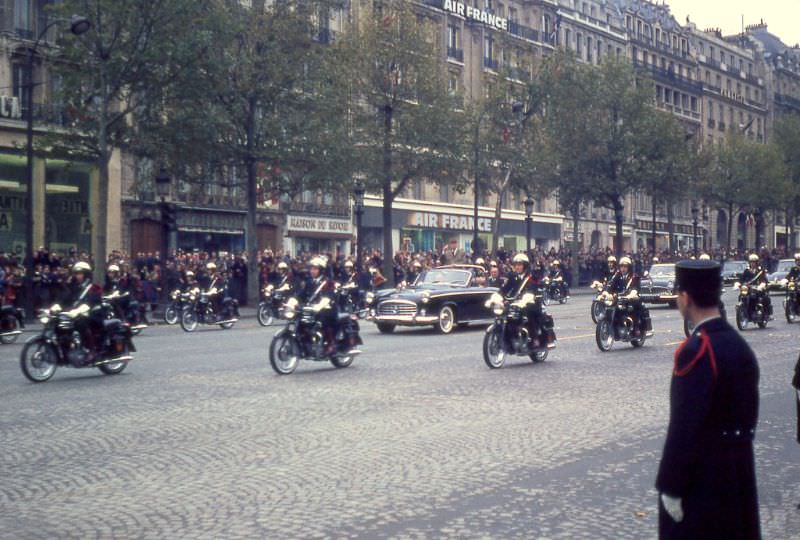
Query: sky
x,y
782,16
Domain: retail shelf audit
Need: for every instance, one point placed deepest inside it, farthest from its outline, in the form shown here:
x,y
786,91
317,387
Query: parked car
x,y
732,271
774,279
444,297
658,285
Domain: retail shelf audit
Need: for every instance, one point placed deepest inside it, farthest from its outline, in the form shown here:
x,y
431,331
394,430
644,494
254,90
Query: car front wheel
x,y
447,320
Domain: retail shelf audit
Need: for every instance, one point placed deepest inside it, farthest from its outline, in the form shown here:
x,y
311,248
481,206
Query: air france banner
x,y
475,14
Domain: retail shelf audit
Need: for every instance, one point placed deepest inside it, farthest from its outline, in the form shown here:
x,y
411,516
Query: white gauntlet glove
x,y
673,507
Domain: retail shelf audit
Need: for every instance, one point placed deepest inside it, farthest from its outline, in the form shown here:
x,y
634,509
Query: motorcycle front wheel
x,y
38,361
598,311
546,298
604,336
493,353
283,354
171,314
264,315
741,320
189,320
791,312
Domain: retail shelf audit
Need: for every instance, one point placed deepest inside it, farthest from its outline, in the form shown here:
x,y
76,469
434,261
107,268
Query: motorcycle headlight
x,y
290,314
44,319
174,295
744,289
498,310
791,286
370,297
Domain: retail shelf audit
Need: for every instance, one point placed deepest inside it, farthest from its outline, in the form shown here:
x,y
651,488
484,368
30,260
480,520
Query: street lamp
x,y
695,212
528,221
358,196
78,25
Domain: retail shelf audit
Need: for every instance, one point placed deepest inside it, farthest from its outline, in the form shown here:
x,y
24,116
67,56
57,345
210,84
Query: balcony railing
x,y
672,77
455,53
523,31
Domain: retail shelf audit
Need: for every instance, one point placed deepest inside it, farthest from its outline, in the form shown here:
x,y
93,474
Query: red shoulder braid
x,y
705,349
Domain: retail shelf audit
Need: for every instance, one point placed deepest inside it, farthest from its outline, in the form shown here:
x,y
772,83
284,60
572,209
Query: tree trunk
x,y
653,242
671,227
388,198
574,262
619,218
730,225
498,211
251,224
101,227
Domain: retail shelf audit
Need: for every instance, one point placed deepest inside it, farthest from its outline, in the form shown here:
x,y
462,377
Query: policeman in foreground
x,y
706,480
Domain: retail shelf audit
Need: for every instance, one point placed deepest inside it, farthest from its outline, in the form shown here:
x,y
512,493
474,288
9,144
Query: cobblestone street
x,y
199,438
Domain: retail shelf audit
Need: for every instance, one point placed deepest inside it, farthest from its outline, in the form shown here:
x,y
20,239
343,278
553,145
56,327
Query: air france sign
x,y
475,14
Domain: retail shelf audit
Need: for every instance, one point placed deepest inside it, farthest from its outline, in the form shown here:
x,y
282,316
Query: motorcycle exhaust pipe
x,y
113,360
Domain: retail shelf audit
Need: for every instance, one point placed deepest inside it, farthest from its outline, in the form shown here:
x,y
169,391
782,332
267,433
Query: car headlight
x,y
670,284
370,297
423,312
426,298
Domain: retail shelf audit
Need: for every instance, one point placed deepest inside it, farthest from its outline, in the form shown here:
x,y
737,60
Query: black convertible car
x,y
443,297
658,285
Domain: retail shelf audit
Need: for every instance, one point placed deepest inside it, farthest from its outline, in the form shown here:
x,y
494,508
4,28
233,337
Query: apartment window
x,y
452,84
599,50
667,95
453,38
708,77
628,22
513,15
588,48
710,109
568,38
22,15
694,104
21,78
488,48
579,44
719,82
659,93
711,52
747,92
749,68
728,85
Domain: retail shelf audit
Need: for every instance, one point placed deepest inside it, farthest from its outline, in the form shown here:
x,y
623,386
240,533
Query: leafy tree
x,y
404,122
786,136
116,73
619,111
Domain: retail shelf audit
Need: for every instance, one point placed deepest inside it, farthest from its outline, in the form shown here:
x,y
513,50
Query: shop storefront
x,y
437,225
317,234
62,219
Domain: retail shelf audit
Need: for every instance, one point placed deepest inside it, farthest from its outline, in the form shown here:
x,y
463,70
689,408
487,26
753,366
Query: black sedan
x,y
658,285
732,271
443,297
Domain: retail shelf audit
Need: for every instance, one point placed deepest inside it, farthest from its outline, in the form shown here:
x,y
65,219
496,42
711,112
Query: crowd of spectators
x,y
147,277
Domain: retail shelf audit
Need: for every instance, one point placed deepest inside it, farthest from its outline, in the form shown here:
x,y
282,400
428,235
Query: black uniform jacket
x,y
624,284
708,454
517,284
796,384
754,277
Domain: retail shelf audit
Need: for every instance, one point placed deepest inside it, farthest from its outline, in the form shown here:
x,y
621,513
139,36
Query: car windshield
x,y
658,270
785,265
438,277
733,266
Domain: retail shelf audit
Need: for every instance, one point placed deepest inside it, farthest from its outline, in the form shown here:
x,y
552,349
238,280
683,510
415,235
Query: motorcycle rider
x,y
413,274
522,281
753,276
612,269
794,273
317,288
83,292
626,283
216,289
557,277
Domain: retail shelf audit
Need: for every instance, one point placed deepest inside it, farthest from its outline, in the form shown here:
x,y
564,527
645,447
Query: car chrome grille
x,y
397,308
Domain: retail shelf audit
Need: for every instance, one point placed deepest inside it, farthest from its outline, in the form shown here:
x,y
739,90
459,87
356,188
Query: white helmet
x,y
81,266
556,263
480,261
625,261
752,257
319,262
520,258
211,266
189,274
283,266
348,264
417,264
796,256
705,257
655,260
113,268
612,259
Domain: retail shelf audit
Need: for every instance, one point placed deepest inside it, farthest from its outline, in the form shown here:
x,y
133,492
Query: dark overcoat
x,y
796,384
708,455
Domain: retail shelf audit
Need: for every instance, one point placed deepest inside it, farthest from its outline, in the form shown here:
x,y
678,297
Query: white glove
x,y
673,507
762,287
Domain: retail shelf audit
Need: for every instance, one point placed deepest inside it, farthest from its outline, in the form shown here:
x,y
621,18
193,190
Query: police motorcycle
x,y
753,305
123,308
200,309
598,309
12,320
272,301
618,322
509,334
791,304
304,336
554,289
177,300
61,342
